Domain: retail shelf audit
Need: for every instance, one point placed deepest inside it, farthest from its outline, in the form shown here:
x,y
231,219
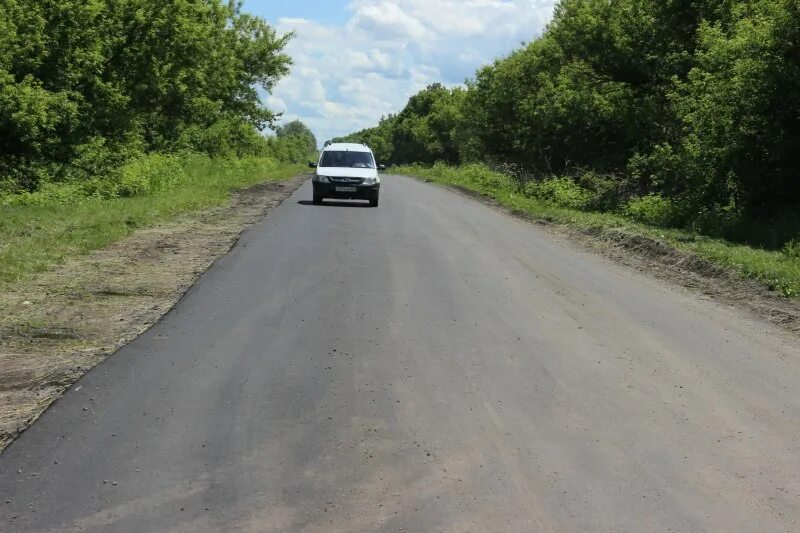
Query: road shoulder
x,y
56,326
659,259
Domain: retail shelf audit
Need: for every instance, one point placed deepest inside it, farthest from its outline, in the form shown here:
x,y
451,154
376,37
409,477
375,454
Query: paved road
x,y
430,365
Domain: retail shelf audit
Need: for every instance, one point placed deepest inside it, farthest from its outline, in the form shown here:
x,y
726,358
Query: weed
x,y
792,249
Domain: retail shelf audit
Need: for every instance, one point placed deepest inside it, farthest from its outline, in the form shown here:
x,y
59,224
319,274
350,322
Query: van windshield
x,y
333,158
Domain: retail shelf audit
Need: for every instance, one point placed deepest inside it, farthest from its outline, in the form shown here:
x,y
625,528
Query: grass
x,y
34,238
777,270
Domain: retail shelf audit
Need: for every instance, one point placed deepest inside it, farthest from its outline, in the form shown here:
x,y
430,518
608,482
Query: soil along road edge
x,y
58,325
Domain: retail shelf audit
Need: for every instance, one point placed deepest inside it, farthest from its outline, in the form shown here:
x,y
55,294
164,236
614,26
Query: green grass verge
x,y
777,270
35,238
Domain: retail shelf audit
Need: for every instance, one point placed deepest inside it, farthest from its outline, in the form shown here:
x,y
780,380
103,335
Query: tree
x,y
298,130
695,101
84,84
294,142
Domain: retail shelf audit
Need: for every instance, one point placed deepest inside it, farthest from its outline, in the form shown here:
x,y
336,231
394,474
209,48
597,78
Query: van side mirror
x,y
312,165
381,167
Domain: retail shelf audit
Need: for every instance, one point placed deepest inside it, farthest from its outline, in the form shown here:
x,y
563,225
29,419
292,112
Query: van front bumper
x,y
349,191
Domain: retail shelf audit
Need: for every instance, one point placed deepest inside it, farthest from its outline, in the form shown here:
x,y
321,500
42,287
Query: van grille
x,y
349,181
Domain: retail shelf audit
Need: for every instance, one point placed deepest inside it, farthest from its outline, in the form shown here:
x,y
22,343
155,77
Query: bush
x,y
483,177
651,209
562,192
150,174
608,191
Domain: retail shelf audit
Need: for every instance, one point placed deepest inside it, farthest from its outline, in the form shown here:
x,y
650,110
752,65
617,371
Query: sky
x,y
358,60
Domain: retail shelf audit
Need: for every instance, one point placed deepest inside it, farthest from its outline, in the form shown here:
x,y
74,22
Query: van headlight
x,y
371,181
321,179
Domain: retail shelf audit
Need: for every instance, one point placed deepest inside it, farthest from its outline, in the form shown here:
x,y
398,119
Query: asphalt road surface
x,y
430,365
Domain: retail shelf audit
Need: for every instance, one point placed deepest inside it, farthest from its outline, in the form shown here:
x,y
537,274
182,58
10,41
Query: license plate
x,y
345,189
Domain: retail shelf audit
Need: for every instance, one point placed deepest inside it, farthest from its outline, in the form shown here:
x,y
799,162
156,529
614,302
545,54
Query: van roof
x,y
347,147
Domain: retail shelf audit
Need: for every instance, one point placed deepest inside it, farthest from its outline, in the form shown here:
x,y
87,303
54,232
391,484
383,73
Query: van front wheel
x,y
373,202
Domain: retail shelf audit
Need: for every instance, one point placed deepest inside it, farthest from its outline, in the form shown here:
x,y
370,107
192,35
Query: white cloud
x,y
346,77
276,104
387,20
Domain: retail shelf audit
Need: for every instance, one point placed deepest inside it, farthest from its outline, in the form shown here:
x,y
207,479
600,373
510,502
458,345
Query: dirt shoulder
x,y
660,259
59,324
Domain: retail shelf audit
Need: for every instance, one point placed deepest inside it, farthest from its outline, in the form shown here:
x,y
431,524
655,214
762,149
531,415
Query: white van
x,y
348,172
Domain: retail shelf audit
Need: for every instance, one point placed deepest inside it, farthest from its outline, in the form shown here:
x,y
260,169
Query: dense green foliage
x,y
686,111
88,85
424,132
300,131
293,142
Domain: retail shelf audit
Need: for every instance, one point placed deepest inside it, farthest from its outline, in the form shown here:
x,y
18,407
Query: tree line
x,y
693,103
86,85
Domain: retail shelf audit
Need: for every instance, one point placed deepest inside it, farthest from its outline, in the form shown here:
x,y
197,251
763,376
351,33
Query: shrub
x,y
651,209
150,174
562,192
482,176
608,191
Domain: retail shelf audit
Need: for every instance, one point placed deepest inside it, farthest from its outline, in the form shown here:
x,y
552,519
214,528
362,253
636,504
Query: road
x,y
430,365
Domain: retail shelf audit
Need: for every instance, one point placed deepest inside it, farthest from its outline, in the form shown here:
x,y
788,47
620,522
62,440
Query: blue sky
x,y
323,11
357,60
